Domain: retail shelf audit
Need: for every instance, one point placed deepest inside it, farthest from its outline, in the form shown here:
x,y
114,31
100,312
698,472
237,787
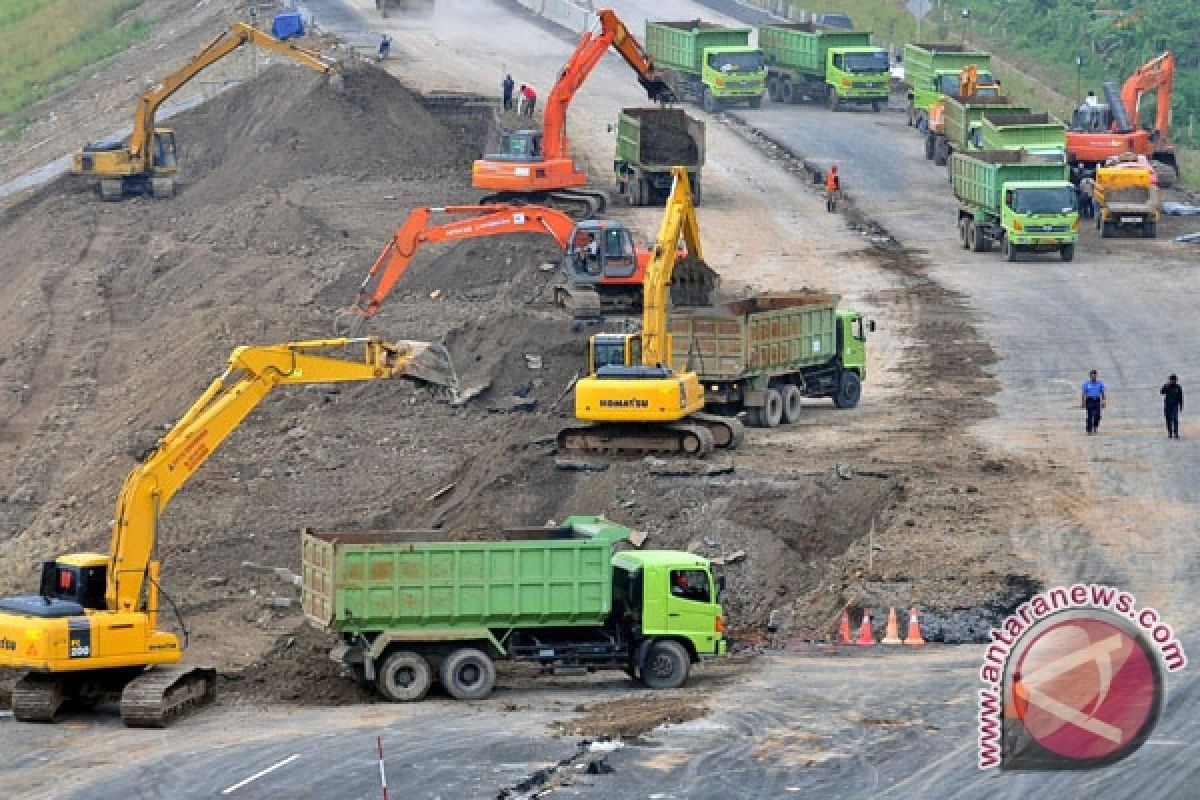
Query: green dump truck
x,y
414,606
835,67
709,64
962,119
763,354
932,70
1022,201
650,141
1040,134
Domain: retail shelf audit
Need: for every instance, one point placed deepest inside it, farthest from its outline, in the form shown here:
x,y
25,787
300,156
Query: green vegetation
x,y
1043,37
47,42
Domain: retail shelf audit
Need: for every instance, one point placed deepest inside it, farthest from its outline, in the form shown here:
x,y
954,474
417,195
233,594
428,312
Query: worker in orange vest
x,y
833,189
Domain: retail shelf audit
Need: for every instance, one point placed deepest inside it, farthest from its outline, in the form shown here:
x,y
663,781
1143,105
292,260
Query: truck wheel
x,y
636,196
791,403
404,677
930,146
708,101
1149,230
849,390
831,98
468,674
1106,230
773,88
1067,252
1007,248
666,665
941,151
962,232
756,102
695,181
876,106
787,92
771,413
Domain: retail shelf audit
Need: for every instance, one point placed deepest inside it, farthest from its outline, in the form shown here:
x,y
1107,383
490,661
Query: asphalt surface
x,y
883,725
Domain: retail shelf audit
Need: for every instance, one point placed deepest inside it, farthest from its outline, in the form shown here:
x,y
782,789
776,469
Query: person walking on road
x,y
385,47
1087,195
1092,399
507,86
833,189
530,100
1172,394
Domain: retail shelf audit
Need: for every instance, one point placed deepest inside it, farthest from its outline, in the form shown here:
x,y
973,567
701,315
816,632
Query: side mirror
x,y
871,325
609,128
720,583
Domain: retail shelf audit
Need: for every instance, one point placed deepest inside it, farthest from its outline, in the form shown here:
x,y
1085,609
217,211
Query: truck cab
x,y
667,594
852,328
1039,216
734,74
859,74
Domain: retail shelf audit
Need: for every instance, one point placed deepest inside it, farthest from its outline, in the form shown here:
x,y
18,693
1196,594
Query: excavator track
x,y
728,432
154,698
37,698
609,438
575,203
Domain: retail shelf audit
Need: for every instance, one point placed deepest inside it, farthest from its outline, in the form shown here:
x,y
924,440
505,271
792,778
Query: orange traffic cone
x,y
844,629
866,636
893,629
913,639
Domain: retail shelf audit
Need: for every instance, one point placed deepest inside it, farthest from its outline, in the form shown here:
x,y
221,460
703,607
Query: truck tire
x,y
1007,248
876,106
695,181
1149,230
962,232
1067,252
404,677
756,102
773,88
666,665
708,101
930,147
941,151
831,99
637,196
771,414
849,390
787,92
791,403
978,242
468,674
1107,230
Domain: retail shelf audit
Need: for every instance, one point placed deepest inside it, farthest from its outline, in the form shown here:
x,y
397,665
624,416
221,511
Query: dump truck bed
x,y
767,332
531,577
962,113
1010,130
803,46
659,138
680,45
979,177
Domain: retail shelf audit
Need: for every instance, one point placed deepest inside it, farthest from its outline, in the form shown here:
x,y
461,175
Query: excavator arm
x,y
1157,74
141,141
251,373
418,229
579,66
679,219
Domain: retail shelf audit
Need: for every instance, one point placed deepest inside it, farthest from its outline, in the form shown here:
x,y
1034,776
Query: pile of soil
x,y
628,717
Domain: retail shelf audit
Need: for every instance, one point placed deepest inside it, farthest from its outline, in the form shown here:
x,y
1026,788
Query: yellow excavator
x,y
91,633
633,400
145,162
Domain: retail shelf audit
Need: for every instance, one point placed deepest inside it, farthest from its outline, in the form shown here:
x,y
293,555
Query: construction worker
x,y
1092,399
1172,394
833,189
385,46
507,86
530,100
1087,195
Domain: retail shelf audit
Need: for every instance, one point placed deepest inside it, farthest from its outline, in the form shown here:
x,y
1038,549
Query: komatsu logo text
x,y
631,403
8,644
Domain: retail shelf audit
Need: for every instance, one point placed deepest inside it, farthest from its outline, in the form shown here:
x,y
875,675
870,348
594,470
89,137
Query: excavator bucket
x,y
428,363
694,283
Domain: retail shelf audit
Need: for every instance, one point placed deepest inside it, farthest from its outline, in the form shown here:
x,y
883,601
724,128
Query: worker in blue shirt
x,y
1092,399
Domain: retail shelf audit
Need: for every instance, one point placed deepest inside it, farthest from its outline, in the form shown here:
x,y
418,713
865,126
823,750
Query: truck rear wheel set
x,y
406,676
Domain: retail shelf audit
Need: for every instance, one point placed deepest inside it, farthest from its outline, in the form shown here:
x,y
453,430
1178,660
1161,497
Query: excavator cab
x,y
519,146
1092,118
165,158
601,251
78,580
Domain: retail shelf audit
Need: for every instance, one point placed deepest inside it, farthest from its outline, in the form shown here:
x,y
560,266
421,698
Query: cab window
x,y
608,354
619,260
859,329
691,584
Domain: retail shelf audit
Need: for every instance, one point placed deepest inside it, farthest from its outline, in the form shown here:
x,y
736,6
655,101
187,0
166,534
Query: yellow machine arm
x,y
251,373
141,141
679,219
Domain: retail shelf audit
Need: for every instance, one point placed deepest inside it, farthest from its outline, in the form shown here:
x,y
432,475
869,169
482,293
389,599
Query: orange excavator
x,y
1100,131
602,267
534,166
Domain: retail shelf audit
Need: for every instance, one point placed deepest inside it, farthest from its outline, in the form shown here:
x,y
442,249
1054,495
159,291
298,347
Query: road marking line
x,y
261,773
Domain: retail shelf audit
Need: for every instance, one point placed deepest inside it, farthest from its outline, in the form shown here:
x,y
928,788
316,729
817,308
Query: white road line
x,y
258,775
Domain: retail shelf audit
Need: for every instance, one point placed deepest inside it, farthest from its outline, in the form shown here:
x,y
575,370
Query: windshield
x,y
865,62
1091,118
1044,201
736,62
948,84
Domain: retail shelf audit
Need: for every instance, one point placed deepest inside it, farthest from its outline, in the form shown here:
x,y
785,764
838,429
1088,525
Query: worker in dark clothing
x,y
1093,399
507,85
1172,394
385,47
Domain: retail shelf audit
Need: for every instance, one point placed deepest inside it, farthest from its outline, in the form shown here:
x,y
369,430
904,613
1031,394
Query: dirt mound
x,y
296,670
629,717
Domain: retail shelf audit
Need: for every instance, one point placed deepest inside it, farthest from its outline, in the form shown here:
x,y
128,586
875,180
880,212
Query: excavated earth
x,y
116,316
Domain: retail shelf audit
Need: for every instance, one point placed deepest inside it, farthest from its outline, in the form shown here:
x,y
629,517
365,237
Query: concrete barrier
x,y
576,17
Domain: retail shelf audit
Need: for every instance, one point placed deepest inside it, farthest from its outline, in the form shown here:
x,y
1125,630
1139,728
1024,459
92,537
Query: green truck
x,y
1022,201
763,354
932,70
709,64
836,67
410,607
650,141
962,118
1040,134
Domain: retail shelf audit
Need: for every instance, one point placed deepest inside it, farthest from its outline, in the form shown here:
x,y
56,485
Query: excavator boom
x,y
1156,75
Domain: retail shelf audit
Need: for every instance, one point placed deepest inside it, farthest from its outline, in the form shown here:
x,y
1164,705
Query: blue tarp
x,y
287,25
